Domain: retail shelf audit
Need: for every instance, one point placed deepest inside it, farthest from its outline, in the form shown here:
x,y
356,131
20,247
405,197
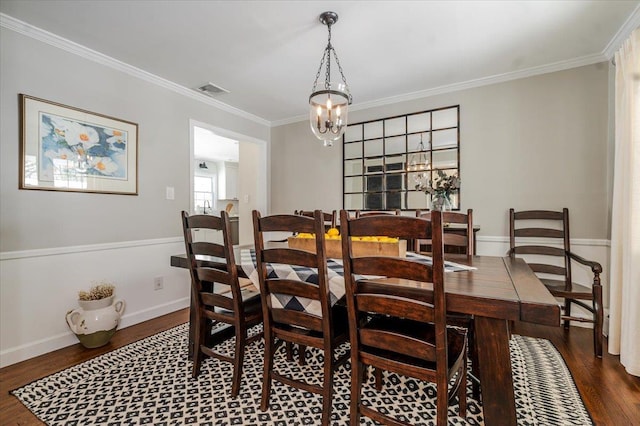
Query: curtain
x,y
624,319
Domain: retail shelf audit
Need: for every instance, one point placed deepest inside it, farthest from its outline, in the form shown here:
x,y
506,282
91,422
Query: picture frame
x,y
63,148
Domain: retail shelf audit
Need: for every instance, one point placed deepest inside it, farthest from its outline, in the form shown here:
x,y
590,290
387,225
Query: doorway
x,y
234,167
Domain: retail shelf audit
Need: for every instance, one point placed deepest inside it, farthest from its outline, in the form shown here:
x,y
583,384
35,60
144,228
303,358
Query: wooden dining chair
x,y
219,295
291,323
553,260
461,241
455,240
330,219
399,323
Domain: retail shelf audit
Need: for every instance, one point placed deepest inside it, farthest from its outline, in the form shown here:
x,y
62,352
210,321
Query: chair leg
x,y
327,386
302,355
377,373
268,365
289,351
598,320
238,361
567,312
442,401
473,355
462,390
197,353
357,377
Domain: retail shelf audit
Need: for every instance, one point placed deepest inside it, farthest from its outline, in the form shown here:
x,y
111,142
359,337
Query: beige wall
x,y
43,219
537,142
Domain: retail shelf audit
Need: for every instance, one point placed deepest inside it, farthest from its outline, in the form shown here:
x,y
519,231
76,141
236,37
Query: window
x,y
376,155
203,194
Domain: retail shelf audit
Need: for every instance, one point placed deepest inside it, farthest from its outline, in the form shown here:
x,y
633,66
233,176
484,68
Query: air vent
x,y
211,89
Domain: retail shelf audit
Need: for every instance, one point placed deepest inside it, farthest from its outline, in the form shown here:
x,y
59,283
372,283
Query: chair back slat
x,y
285,222
401,267
205,222
217,300
392,304
213,275
398,343
293,288
209,249
290,257
296,318
539,233
542,250
537,214
403,227
365,213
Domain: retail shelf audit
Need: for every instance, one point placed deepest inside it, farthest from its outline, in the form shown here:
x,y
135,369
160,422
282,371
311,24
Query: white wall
x,y
53,244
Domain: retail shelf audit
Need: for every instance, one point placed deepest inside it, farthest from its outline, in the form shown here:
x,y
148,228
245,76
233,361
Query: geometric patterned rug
x,y
149,383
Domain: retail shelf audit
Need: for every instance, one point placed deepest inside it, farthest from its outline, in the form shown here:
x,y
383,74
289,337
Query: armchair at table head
x,y
399,327
554,260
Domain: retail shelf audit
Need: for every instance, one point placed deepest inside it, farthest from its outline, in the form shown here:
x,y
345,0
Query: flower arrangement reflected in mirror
x,y
440,190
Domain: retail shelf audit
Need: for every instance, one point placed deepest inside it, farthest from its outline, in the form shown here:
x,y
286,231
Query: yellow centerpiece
x,y
362,246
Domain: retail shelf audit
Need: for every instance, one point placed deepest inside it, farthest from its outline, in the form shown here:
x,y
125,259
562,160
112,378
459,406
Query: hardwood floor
x,y
610,394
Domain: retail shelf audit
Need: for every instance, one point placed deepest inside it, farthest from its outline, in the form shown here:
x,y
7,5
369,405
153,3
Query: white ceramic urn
x,y
95,321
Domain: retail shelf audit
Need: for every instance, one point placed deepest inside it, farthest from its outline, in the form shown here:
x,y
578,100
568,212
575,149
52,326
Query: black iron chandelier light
x,y
329,106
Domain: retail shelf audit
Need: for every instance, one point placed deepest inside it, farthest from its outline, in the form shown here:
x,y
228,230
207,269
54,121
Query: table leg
x,y
494,362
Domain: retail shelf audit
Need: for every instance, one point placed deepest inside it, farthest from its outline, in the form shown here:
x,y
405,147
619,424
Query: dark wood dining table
x,y
500,290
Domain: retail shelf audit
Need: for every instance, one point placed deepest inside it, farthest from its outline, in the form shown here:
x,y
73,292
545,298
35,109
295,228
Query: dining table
x,y
495,290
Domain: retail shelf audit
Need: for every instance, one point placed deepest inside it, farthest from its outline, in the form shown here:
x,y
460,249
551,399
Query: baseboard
x,y
43,346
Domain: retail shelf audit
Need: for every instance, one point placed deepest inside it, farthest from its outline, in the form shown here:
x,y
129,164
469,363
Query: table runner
x,y
335,275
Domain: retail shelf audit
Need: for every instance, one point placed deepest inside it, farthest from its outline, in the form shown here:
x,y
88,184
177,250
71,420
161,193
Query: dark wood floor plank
x,y
610,394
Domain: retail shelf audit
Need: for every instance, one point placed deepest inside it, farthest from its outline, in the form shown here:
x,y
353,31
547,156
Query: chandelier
x,y
419,166
329,105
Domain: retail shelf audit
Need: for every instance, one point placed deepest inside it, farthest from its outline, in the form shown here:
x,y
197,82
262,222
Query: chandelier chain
x,y
315,82
326,56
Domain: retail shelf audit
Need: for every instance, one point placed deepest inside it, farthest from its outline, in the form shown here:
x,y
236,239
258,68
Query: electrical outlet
x,y
158,283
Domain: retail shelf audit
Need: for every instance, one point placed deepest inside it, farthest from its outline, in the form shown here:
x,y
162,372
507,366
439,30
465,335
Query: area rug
x,y
149,382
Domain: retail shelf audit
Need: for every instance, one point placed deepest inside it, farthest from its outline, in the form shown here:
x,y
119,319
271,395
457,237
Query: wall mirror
x,y
377,156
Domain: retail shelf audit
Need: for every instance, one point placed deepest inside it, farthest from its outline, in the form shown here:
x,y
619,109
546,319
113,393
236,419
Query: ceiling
x,y
267,53
209,146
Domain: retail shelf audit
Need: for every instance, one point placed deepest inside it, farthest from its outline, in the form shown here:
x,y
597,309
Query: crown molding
x,y
623,33
54,40
36,33
470,84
